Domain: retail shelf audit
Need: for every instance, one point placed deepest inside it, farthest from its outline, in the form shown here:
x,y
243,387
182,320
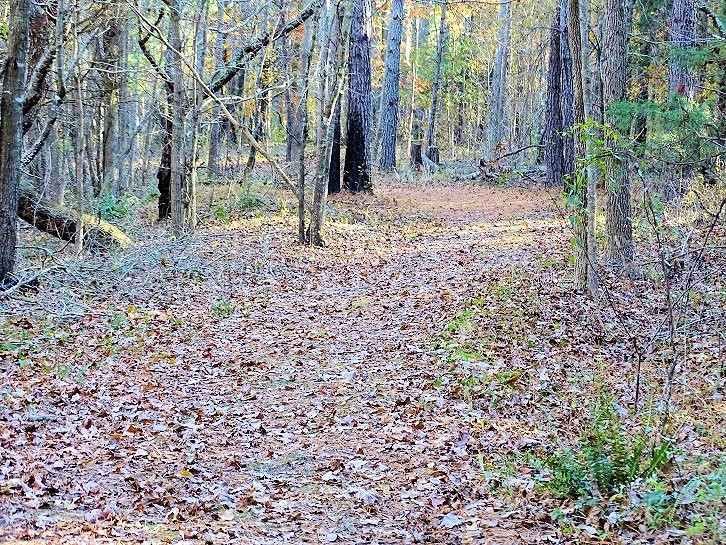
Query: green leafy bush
x,y
607,460
112,208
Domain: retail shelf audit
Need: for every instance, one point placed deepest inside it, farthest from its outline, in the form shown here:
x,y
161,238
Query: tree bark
x,y
618,222
681,79
553,122
215,131
387,130
584,245
499,79
436,84
182,218
339,36
567,96
11,132
357,170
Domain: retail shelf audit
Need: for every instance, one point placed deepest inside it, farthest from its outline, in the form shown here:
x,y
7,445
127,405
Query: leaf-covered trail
x,y
267,393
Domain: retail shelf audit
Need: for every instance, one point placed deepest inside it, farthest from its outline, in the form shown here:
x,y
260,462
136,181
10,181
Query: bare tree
x,y
340,29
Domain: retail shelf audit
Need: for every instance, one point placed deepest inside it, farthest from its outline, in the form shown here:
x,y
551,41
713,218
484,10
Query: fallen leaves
x,y
260,392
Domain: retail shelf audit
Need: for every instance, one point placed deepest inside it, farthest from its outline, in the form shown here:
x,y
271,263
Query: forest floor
x,y
403,384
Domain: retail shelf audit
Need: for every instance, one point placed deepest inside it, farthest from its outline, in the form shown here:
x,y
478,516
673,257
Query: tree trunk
x,y
681,79
436,84
357,170
618,222
567,96
11,132
123,163
339,37
301,124
553,123
215,131
334,173
258,116
62,224
388,110
163,174
499,79
584,245
412,38
181,215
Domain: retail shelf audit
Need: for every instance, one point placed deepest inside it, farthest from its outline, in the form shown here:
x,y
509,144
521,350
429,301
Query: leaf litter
x,y
238,388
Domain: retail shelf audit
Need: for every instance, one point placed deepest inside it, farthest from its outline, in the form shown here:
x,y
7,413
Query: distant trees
x,y
129,100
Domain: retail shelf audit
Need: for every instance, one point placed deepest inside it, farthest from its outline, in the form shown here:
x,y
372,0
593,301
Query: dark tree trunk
x,y
11,132
357,171
163,174
553,123
567,96
416,157
334,173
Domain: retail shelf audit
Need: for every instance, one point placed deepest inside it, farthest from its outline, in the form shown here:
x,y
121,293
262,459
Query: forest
x,y
362,272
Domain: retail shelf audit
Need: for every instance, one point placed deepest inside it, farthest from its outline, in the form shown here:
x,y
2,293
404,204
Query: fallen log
x,y
61,223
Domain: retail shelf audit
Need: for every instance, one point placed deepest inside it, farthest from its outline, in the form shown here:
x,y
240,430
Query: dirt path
x,y
263,393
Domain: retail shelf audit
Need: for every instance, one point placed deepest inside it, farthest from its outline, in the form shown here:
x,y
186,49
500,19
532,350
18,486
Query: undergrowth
x,y
608,457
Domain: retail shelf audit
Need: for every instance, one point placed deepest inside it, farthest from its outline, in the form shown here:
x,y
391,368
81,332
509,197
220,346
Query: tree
x,y
681,79
11,133
567,96
582,198
215,131
387,130
499,77
183,217
334,172
357,170
618,227
301,116
333,78
553,121
432,152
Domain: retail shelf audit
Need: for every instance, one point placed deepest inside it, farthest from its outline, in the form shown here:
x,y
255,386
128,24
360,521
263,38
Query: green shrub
x,y
112,208
607,459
